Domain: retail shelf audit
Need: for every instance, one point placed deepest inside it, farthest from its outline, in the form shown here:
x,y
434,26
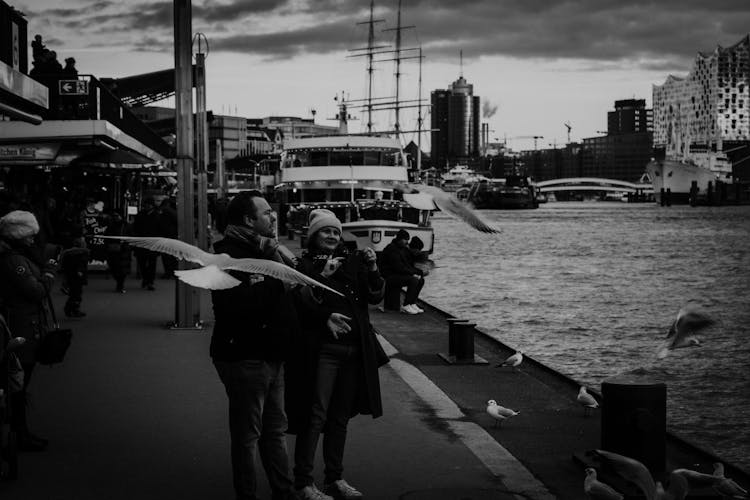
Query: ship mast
x,y
419,116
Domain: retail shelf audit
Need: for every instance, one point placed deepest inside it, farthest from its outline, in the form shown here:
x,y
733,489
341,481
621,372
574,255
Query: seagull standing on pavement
x,y
514,361
597,490
448,204
499,413
213,275
587,401
690,320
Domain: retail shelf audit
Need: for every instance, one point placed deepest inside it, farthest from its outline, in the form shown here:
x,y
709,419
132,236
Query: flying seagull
x,y
597,490
632,470
499,413
586,400
213,275
677,489
514,360
690,320
448,204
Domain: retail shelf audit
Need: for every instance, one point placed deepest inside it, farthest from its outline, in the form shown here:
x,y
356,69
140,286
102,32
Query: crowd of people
x,y
297,360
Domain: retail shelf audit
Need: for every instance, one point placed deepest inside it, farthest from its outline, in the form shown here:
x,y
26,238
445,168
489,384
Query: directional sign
x,y
74,87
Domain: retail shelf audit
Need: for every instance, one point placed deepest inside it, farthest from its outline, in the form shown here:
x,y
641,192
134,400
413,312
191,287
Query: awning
x,y
121,159
18,114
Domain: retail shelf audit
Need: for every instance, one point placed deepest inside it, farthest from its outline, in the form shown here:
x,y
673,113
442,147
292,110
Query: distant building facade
x,y
626,149
293,127
455,120
706,111
630,116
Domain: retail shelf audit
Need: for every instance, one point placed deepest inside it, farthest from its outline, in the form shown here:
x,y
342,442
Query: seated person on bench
x,y
396,268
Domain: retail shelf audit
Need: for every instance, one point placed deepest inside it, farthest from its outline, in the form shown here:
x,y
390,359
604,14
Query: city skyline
x,y
538,65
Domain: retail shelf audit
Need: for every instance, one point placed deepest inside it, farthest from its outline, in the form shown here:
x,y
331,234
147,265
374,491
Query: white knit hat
x,y
320,218
18,224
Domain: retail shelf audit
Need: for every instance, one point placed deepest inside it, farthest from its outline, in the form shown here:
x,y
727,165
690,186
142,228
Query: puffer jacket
x,y
23,297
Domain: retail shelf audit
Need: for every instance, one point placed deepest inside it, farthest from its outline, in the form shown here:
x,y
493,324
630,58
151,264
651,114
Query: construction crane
x,y
535,137
569,127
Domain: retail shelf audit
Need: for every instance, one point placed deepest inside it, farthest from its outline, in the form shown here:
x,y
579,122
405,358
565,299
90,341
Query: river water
x,y
591,288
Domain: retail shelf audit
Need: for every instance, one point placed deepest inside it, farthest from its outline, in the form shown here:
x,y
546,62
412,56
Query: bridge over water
x,y
593,184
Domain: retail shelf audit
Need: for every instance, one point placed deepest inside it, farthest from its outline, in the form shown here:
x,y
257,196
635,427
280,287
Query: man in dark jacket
x,y
254,323
398,271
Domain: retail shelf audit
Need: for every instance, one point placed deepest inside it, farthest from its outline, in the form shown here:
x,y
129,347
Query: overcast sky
x,y
535,63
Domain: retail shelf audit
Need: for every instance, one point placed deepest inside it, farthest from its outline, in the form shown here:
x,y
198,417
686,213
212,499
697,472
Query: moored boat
x,y
512,192
681,180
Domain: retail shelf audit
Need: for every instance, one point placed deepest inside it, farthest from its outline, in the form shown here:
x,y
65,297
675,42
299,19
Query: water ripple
x,y
590,289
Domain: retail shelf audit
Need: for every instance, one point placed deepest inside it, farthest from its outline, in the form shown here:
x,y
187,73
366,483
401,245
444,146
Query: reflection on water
x,y
590,289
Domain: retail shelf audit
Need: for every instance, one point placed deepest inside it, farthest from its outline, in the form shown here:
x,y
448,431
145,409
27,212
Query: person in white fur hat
x,y
333,371
25,281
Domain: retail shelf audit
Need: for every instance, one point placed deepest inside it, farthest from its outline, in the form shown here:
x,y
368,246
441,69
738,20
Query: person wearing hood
x,y
25,282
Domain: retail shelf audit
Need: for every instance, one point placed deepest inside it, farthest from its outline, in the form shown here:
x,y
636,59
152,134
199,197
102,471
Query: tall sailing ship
x,y
702,125
355,175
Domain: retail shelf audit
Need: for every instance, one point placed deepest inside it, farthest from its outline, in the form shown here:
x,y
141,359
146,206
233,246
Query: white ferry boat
x,y
353,176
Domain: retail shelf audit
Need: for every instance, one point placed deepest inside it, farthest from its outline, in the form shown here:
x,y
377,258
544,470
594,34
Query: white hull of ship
x,y
376,234
677,178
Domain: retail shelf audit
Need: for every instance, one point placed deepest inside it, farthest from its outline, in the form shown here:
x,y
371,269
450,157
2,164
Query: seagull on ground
x,y
446,203
587,401
689,321
213,275
696,479
514,361
727,487
632,470
499,413
597,490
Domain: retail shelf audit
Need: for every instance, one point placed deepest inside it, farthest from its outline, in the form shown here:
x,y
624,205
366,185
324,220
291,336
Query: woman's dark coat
x,y
313,306
23,297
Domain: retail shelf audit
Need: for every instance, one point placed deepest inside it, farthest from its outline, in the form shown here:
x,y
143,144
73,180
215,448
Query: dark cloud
x,y
644,32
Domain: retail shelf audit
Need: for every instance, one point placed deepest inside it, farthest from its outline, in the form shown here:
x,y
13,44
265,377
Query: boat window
x,y
340,157
371,158
318,158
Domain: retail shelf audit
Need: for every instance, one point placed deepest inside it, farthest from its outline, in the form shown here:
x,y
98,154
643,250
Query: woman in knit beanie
x,y
24,285
332,374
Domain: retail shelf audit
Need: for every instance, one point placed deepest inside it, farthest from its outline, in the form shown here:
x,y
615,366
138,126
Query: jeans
x,y
257,422
339,370
413,284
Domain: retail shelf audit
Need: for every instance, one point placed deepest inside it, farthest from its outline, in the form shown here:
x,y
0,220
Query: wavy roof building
x,y
699,114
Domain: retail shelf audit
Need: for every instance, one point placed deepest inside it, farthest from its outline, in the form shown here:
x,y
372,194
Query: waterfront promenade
x,y
137,411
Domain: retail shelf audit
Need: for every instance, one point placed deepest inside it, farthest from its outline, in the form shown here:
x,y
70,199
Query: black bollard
x,y
452,334
461,344
634,420
662,197
669,197
710,194
693,193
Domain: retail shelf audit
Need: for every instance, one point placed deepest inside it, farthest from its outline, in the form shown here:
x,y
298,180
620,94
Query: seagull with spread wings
x,y
446,203
690,320
213,275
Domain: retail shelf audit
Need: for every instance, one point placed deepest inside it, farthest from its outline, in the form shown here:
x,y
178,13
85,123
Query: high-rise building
x,y
630,115
455,116
708,111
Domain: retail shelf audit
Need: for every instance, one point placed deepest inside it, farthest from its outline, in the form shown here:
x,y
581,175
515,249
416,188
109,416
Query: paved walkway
x,y
137,411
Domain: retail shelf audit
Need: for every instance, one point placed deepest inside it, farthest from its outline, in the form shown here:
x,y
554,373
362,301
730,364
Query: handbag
x,y
55,342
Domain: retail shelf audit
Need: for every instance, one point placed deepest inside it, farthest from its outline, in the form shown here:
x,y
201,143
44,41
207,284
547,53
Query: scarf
x,y
269,248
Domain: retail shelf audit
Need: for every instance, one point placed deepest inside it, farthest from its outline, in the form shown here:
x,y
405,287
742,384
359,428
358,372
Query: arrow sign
x,y
74,87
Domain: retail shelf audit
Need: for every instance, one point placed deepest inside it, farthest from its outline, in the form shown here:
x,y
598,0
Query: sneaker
x,y
417,308
409,309
341,490
312,493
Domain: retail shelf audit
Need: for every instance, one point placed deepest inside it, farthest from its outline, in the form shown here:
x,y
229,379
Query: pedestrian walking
x,y
146,224
118,251
25,283
333,373
254,323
